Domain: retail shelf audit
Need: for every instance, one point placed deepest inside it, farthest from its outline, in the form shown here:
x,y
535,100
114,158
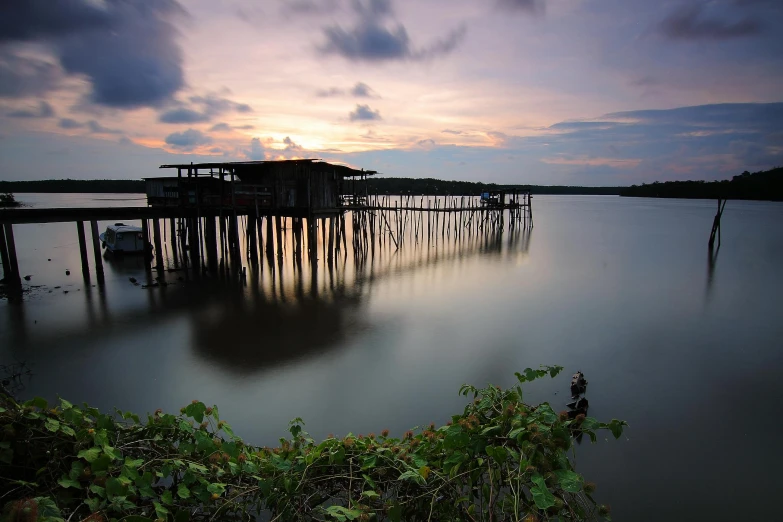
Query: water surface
x,y
685,347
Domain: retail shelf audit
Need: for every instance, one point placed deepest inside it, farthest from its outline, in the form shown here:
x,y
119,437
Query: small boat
x,y
120,237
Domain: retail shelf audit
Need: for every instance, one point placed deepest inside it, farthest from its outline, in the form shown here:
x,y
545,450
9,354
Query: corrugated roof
x,y
248,165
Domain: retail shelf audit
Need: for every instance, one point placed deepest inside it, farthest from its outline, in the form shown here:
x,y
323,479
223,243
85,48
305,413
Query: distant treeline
x,y
74,185
436,187
426,186
766,185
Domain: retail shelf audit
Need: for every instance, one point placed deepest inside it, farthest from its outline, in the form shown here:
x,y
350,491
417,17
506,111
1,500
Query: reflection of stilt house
x,y
297,188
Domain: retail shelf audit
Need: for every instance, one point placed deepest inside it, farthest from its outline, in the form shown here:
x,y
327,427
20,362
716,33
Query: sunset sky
x,y
560,92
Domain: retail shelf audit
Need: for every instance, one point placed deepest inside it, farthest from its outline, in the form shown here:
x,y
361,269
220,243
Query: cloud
x,y
527,6
362,90
220,127
426,144
213,104
68,123
364,113
183,115
290,146
692,23
44,110
450,131
331,92
22,76
188,139
244,127
372,40
256,151
309,7
97,128
126,49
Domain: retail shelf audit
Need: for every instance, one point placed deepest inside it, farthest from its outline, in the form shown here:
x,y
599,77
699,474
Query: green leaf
x,y
101,492
216,488
102,463
69,483
183,491
395,512
47,508
412,475
95,504
65,404
569,480
89,454
616,427
369,461
112,453
133,464
370,494
590,424
196,410
136,518
543,498
546,413
167,498
67,430
38,402
114,488
160,510
52,425
340,513
197,467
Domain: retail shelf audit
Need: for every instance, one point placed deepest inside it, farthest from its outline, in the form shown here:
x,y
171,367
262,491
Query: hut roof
x,y
259,166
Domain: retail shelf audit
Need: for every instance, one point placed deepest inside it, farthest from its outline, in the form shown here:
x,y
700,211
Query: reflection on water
x,y
611,286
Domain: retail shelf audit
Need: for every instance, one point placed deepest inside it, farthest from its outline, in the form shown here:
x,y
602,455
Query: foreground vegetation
x,y
500,459
765,185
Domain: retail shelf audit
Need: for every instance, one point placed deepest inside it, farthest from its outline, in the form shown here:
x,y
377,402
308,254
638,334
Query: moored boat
x,y
120,237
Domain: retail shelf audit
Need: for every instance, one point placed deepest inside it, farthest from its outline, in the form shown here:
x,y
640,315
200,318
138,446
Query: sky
x,y
555,92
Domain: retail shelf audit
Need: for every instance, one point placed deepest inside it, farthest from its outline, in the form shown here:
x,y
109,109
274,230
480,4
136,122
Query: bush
x,y
500,459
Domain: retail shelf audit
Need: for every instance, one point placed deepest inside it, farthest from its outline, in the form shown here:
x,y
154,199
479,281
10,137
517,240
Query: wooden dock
x,y
197,234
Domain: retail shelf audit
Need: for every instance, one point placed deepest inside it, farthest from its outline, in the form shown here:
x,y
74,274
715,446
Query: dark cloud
x,y
290,146
331,92
220,127
44,110
527,6
427,144
188,140
127,49
309,7
68,123
364,113
450,131
256,151
244,127
22,76
693,23
372,39
183,115
97,128
362,90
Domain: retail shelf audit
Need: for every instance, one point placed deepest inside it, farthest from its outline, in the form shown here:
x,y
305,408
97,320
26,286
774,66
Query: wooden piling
x,y
173,239
158,243
96,249
83,250
145,233
8,254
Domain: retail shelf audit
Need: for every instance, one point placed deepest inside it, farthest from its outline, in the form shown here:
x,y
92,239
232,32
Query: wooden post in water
x,y
83,250
716,223
145,234
8,254
173,234
96,250
158,243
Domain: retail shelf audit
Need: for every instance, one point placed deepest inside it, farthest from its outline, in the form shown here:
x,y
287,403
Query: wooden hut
x,y
289,187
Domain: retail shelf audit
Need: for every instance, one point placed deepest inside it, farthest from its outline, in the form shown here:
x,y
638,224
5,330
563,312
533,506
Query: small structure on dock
x,y
294,188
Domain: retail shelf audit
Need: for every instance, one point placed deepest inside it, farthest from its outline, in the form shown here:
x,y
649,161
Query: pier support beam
x,y
158,243
96,250
83,250
145,234
8,254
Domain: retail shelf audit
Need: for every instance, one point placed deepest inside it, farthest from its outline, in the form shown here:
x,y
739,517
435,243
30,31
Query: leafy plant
x,y
500,459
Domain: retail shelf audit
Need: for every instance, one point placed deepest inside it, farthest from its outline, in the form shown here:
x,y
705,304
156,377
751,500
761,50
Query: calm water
x,y
687,351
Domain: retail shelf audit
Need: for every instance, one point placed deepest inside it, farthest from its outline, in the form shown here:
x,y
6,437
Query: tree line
x,y
763,185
